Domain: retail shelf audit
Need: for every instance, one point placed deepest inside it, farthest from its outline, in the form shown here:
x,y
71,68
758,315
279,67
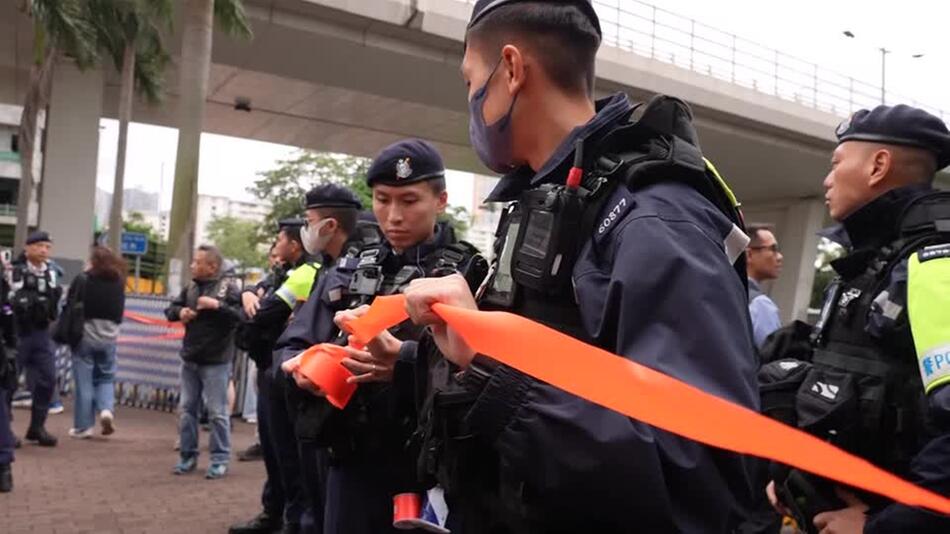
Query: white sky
x,y
809,29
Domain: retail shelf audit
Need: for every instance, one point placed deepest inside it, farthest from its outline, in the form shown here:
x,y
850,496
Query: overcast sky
x,y
810,29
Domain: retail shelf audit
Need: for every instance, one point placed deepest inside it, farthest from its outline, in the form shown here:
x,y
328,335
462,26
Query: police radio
x,y
548,238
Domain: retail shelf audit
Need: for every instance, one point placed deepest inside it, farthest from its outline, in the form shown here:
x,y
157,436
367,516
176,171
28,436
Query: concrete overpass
x,y
354,75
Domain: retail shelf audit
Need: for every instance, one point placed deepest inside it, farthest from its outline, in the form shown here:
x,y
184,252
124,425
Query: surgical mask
x,y
491,142
313,242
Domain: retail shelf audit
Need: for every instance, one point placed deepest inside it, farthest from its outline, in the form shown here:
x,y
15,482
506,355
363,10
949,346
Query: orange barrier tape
x,y
649,396
145,319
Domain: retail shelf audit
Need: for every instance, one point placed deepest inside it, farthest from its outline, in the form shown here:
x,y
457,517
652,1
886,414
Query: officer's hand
x,y
292,368
450,290
773,498
384,348
848,520
186,315
208,303
251,303
366,367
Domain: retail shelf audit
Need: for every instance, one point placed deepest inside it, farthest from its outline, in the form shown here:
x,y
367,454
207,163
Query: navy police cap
x,y
291,223
39,236
406,162
332,196
484,7
899,125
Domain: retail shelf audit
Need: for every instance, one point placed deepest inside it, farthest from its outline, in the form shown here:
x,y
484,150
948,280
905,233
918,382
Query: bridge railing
x,y
662,35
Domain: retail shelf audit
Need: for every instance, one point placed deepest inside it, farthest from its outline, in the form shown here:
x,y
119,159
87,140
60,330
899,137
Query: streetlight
x,y
884,52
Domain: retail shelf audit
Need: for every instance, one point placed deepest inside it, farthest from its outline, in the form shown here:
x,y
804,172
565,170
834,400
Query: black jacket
x,y
209,337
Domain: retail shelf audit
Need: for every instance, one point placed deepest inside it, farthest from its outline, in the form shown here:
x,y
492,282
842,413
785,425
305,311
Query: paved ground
x,y
123,484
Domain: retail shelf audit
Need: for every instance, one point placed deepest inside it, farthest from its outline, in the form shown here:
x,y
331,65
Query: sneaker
x,y
24,402
216,470
251,454
56,408
41,437
80,434
107,420
185,465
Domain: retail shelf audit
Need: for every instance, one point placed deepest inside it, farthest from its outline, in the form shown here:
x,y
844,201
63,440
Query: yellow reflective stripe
x,y
298,284
928,310
722,183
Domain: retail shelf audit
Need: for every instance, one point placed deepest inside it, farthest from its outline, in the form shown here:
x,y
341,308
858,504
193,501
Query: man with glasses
x,y
764,262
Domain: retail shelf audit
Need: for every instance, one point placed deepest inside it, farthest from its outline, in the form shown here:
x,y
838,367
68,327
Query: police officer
x,y
876,384
267,308
36,293
621,235
369,463
8,384
331,230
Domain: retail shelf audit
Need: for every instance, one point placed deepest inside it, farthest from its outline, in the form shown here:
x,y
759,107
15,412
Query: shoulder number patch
x,y
934,252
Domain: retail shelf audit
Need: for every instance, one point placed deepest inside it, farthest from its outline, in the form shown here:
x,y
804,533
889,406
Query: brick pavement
x,y
123,484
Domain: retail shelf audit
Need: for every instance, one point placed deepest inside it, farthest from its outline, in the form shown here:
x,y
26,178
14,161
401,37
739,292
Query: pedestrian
x,y
763,264
101,291
209,307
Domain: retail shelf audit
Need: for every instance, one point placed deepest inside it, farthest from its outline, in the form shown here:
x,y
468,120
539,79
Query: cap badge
x,y
843,127
403,169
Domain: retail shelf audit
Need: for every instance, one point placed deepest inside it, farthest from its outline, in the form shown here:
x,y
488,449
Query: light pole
x,y
884,52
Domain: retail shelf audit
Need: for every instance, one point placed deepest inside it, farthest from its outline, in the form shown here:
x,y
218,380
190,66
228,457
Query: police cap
x,y
39,236
332,196
290,223
484,7
899,125
406,162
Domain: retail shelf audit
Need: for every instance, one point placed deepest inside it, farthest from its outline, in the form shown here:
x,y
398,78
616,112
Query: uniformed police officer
x,y
621,235
330,229
36,292
369,463
267,308
8,384
876,382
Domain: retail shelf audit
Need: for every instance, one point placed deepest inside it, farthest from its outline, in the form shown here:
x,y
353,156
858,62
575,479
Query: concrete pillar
x,y
68,188
796,225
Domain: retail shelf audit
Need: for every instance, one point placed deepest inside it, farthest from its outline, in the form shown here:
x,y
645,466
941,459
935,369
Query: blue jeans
x,y
94,372
210,384
35,355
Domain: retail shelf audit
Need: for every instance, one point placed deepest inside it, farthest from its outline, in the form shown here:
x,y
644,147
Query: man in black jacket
x,y
209,307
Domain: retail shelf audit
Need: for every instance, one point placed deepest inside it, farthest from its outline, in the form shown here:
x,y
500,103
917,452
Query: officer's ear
x,y
513,67
881,162
332,225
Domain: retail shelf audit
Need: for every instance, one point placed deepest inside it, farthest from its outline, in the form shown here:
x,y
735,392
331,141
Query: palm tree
x,y
194,70
130,32
60,29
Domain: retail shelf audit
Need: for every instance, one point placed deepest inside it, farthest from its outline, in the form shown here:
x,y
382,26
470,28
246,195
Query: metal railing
x,y
7,210
662,35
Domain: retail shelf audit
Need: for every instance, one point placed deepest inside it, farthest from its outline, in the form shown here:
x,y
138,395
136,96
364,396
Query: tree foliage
x,y
238,240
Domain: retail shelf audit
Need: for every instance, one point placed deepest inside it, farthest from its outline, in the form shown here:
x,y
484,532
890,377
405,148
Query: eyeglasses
x,y
773,247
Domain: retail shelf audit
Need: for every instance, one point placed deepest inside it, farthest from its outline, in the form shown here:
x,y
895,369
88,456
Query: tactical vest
x,y
859,392
35,297
538,241
370,416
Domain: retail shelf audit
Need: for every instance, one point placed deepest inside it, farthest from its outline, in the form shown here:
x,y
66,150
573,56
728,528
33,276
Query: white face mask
x,y
313,242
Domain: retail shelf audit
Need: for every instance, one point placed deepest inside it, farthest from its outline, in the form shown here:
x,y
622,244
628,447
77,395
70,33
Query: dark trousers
x,y
7,440
284,440
35,356
359,496
272,495
314,466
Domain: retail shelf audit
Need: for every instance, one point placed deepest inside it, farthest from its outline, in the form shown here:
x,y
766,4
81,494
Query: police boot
x,y
41,437
263,523
6,478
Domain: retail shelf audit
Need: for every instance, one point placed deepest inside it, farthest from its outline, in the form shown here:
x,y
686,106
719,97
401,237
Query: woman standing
x,y
103,297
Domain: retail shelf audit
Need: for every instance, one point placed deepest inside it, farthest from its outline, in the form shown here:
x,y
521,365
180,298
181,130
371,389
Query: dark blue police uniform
x,y
369,463
36,293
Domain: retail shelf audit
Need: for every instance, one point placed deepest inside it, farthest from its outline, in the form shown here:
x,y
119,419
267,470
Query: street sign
x,y
134,244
